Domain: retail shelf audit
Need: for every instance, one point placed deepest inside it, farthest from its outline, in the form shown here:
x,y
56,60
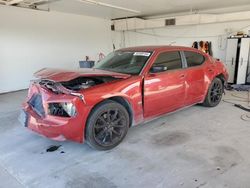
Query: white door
x,y
231,58
243,61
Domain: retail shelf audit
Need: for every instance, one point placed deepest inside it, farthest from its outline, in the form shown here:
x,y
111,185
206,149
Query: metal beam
x,y
13,2
36,1
93,2
2,2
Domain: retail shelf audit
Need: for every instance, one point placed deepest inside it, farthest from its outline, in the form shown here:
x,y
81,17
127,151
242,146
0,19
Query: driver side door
x,y
164,85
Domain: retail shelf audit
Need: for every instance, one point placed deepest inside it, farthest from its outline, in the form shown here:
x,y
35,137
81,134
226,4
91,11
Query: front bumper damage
x,y
35,115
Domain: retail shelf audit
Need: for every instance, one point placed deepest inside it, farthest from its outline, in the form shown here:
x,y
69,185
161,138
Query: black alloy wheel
x,y
107,125
214,94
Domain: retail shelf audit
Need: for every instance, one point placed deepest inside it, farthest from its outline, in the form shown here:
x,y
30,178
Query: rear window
x,y
194,59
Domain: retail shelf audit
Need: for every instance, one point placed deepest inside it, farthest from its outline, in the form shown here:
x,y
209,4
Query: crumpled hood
x,y
60,75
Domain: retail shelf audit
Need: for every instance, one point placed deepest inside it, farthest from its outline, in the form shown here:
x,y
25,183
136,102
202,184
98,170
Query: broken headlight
x,y
63,109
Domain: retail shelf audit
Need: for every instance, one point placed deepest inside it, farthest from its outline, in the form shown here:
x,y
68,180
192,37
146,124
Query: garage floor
x,y
195,147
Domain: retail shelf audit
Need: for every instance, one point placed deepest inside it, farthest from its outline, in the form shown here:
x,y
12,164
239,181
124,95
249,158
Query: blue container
x,y
86,64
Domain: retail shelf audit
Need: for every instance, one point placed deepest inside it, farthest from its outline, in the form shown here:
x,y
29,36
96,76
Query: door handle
x,y
182,76
232,61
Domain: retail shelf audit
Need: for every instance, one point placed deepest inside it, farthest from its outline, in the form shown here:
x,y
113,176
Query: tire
x,y
214,93
107,125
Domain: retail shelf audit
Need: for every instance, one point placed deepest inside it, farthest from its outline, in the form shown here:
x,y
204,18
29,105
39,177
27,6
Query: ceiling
x,y
142,7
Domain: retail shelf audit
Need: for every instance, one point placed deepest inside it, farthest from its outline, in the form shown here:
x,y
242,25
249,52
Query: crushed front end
x,y
53,111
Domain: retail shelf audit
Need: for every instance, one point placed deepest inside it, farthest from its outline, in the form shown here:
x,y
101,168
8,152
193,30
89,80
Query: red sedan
x,y
128,87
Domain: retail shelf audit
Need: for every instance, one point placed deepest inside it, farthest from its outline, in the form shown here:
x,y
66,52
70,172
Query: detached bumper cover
x,y
44,127
53,127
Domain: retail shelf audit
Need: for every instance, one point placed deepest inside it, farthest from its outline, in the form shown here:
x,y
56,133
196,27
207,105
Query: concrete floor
x,y
195,147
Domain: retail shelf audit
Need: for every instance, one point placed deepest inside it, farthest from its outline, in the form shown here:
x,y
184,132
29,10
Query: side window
x,y
168,60
194,59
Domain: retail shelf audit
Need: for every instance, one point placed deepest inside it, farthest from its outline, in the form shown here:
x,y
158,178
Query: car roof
x,y
156,48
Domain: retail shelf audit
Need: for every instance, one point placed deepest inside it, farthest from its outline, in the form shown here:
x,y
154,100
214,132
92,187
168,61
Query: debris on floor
x,y
53,148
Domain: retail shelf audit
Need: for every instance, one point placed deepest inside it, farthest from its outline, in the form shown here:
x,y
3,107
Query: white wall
x,y
183,35
31,40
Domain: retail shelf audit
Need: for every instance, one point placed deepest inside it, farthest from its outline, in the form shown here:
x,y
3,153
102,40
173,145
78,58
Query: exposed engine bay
x,y
86,82
75,84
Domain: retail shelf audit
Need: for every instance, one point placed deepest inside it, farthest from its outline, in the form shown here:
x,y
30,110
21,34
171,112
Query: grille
x,y
37,104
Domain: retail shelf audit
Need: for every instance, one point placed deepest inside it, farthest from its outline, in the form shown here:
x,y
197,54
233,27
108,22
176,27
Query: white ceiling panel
x,y
141,7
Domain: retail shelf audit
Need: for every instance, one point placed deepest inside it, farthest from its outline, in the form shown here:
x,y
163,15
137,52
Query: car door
x,y
164,84
195,77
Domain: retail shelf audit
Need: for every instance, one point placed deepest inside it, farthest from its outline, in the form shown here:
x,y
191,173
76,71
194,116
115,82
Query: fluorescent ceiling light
x,y
109,5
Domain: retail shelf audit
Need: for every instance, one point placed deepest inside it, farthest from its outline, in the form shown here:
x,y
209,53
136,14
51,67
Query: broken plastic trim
x,y
58,88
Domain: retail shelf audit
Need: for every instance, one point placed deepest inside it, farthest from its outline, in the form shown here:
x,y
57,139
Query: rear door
x,y
164,91
195,77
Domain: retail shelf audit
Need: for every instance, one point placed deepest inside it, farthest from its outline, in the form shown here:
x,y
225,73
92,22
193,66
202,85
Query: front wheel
x,y
107,125
214,94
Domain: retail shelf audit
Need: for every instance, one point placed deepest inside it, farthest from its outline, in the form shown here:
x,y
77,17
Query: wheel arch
x,y
126,104
119,99
222,78
206,102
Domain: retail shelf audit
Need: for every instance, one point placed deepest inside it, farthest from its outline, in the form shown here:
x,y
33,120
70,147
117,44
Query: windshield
x,y
124,62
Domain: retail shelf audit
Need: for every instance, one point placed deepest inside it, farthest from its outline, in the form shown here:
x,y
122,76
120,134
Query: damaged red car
x,y
126,88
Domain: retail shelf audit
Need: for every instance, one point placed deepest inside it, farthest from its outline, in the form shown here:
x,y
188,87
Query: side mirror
x,y
156,69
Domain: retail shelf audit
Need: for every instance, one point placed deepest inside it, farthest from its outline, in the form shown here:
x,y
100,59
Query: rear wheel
x,y
214,93
107,125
